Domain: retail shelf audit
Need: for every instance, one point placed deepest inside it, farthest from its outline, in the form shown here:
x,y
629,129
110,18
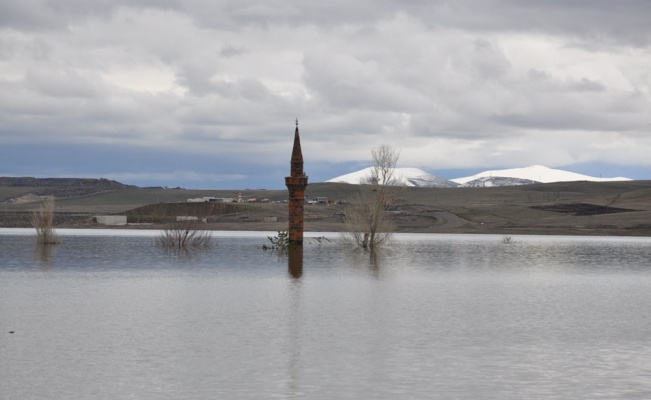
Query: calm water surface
x,y
107,315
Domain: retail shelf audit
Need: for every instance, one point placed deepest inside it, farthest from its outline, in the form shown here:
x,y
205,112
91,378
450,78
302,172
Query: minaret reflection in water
x,y
295,261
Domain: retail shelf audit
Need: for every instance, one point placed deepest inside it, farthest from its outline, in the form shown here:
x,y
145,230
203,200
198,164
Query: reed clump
x,y
184,234
507,240
43,222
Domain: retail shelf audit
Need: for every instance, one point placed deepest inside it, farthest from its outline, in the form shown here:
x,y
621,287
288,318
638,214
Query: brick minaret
x,y
296,183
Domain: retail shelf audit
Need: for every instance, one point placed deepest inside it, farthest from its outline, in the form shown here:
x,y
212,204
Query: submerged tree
x,y
43,222
367,222
184,234
279,242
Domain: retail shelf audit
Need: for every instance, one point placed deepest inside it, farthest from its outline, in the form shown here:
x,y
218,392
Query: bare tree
x,y
43,222
367,222
383,166
184,234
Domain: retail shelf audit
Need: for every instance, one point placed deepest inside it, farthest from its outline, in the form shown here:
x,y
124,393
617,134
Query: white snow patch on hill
x,y
537,173
404,177
497,181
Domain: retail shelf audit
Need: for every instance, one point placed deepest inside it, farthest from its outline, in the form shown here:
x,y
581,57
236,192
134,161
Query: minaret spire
x,y
297,156
296,184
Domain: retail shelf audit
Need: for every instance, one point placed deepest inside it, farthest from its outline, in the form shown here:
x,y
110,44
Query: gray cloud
x,y
455,84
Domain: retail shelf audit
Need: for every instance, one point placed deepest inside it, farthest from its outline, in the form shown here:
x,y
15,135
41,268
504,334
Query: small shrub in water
x,y
184,234
279,242
43,222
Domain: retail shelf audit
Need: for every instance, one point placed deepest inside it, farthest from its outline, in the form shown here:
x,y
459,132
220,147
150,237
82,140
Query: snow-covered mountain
x,y
503,177
490,181
404,177
535,173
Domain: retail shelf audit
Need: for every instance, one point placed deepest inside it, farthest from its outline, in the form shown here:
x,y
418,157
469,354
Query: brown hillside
x,y
592,208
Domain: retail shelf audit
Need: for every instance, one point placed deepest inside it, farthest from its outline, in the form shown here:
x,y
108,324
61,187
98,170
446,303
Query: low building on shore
x,y
111,219
211,200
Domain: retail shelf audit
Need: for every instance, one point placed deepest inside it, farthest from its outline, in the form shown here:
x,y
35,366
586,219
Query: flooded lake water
x,y
108,315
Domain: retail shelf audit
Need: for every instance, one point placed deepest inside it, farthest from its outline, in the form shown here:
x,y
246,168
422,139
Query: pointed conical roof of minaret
x,y
297,154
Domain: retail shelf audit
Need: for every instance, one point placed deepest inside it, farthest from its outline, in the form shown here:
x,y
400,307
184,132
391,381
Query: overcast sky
x,y
204,93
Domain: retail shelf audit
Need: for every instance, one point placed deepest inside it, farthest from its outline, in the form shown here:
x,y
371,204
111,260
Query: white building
x,y
111,219
211,200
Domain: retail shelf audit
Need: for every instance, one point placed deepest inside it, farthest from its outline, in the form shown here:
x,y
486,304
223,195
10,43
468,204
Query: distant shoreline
x,y
567,208
311,235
